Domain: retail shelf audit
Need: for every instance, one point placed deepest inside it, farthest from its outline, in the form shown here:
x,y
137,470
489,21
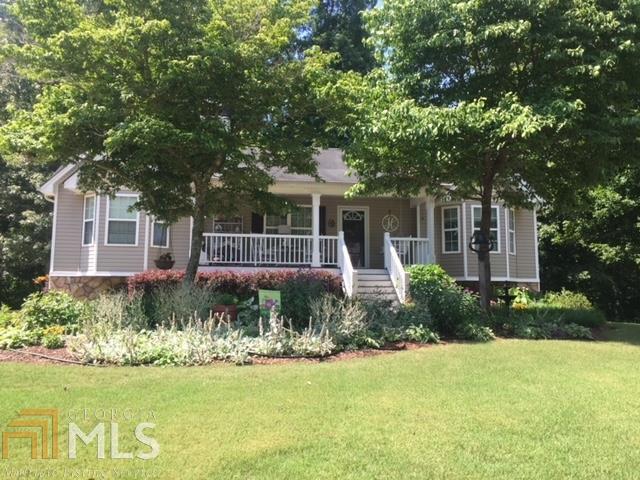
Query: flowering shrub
x,y
40,310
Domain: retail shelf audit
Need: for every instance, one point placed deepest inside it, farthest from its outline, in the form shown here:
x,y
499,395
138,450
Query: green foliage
x,y
116,311
475,332
451,307
517,100
160,96
539,322
297,295
180,303
42,310
595,250
337,26
25,216
7,316
52,337
567,299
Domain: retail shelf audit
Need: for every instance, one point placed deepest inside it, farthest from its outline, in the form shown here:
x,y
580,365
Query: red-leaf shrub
x,y
241,284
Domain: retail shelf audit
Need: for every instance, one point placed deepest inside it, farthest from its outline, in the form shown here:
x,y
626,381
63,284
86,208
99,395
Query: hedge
x,y
240,284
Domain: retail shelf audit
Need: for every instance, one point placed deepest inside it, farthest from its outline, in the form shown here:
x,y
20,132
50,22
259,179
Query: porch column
x,y
431,228
315,230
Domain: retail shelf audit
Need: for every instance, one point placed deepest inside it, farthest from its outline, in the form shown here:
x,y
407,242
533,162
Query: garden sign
x,y
269,300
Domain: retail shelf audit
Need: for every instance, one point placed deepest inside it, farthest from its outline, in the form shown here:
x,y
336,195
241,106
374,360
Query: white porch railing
x,y
393,264
265,249
412,251
349,275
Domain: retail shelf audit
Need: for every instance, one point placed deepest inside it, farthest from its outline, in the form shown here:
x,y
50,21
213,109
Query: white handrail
x,y
266,249
349,277
392,263
412,251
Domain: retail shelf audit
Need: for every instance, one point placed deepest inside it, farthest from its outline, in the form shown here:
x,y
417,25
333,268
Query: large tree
x,y
189,103
517,100
595,249
337,26
24,214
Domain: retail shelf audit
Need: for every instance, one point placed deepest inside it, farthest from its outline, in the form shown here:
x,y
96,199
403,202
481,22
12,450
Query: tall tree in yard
x,y
24,214
338,26
188,103
517,100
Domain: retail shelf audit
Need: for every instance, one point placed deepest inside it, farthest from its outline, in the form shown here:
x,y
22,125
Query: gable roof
x,y
331,169
330,162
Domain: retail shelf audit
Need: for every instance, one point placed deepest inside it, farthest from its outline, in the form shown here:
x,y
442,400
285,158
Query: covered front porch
x,y
326,231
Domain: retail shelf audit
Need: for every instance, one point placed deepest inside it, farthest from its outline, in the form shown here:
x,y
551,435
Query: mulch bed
x,y
24,355
61,356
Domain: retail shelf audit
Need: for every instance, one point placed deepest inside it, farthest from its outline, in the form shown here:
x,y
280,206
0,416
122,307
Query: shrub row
x,y
297,288
241,284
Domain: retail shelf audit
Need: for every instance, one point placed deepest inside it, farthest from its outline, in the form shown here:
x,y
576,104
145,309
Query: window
x,y
159,234
301,223
512,231
495,225
89,220
227,225
122,221
451,229
298,222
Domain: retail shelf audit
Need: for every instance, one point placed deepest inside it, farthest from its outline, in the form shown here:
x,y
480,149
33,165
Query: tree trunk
x,y
199,209
484,257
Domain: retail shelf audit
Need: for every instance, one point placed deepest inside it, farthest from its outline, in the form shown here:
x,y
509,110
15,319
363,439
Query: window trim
x,y
107,219
510,212
498,224
92,219
159,222
265,226
457,229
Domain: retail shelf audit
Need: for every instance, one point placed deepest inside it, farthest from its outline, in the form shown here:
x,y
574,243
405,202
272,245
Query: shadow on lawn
x,y
620,332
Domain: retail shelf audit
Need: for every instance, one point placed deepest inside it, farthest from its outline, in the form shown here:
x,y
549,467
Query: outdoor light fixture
x,y
481,243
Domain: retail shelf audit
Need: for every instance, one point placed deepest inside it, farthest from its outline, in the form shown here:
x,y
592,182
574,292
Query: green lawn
x,y
508,409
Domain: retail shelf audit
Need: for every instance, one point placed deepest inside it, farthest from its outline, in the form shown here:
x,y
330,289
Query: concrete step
x,y
376,289
374,278
390,297
368,281
372,271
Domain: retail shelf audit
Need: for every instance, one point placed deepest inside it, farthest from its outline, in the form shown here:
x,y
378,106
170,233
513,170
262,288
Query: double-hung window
x,y
89,220
122,220
511,216
298,222
495,225
159,234
451,229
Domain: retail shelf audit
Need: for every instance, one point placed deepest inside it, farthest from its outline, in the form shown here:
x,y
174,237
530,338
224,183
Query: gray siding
x,y
453,263
71,256
125,258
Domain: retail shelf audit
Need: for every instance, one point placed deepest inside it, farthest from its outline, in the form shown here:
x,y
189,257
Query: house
x,y
97,241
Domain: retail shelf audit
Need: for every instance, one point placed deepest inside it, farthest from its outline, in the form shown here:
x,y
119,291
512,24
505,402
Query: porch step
x,y
375,284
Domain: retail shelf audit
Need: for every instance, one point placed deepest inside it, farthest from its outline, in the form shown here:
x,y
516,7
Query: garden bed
x,y
63,356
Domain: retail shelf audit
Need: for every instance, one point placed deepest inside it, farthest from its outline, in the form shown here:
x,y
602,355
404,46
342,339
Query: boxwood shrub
x,y
452,308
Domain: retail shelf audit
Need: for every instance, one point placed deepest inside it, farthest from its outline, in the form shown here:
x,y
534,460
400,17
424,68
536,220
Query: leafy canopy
x,y
515,98
160,96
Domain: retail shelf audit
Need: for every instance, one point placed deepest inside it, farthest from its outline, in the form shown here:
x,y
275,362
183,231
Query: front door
x,y
353,226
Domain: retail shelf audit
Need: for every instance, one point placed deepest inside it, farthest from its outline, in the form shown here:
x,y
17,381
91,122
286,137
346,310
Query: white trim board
x,y
78,273
53,231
